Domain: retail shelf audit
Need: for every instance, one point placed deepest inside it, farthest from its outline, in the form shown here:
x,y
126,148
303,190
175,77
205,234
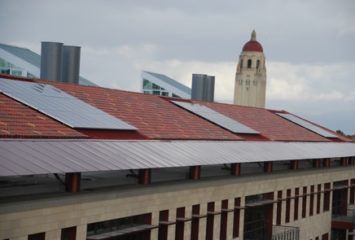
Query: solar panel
x,y
216,117
307,125
61,106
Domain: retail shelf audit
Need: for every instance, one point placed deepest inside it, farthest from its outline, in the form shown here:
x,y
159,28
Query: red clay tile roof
x,y
18,120
154,117
267,123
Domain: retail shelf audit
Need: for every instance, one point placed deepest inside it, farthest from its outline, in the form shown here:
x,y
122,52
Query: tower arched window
x,y
249,63
241,63
257,64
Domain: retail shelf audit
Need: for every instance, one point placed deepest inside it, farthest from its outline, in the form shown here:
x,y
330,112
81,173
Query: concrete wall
x,y
50,215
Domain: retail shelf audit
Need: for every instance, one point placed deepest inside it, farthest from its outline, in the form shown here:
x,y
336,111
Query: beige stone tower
x,y
250,77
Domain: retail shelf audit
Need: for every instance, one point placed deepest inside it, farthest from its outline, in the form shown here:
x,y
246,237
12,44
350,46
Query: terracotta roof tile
x,y
154,117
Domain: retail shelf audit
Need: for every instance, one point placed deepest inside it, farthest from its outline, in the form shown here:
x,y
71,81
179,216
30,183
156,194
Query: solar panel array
x,y
61,106
216,117
307,125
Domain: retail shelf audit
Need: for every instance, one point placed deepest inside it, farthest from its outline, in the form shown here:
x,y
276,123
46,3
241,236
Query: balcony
x,y
285,233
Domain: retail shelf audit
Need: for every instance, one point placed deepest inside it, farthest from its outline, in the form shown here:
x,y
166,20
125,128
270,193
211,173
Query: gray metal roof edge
x,y
28,156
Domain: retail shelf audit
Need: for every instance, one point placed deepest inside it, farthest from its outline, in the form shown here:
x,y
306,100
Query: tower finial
x,y
253,36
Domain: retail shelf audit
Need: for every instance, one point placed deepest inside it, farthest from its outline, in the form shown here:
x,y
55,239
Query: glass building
x,y
162,85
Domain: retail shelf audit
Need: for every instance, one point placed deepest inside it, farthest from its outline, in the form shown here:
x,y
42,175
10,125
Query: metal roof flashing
x,y
27,157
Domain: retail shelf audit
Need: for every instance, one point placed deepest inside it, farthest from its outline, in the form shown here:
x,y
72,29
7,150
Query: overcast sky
x,y
309,45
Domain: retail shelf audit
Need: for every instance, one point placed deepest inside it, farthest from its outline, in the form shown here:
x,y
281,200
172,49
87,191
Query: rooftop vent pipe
x,y
60,63
71,64
202,87
51,60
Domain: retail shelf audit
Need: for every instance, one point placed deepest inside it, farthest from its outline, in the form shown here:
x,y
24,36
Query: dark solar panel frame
x,y
216,117
307,125
61,106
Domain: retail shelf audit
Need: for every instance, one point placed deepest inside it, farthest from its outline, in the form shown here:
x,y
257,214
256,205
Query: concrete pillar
x,y
274,212
217,220
322,198
283,207
54,234
171,228
241,221
278,215
187,227
292,205
203,221
81,232
308,202
154,221
230,219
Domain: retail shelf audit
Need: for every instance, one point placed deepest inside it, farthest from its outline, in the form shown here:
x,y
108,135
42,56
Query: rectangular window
x,y
279,208
37,236
195,222
319,195
163,226
68,233
304,202
325,236
138,226
210,219
288,205
224,219
326,200
311,199
236,218
180,223
297,193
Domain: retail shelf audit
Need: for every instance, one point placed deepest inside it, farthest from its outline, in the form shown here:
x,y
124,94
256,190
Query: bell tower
x,y
250,77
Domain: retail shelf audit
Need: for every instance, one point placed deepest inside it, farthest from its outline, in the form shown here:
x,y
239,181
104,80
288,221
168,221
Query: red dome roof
x,y
253,46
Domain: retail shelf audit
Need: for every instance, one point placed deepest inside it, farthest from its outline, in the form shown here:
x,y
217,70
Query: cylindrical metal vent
x,y
71,64
202,87
51,60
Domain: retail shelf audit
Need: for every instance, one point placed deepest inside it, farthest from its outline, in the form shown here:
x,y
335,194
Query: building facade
x,y
165,168
250,77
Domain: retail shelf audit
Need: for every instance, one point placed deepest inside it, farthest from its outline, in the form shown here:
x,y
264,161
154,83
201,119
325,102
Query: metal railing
x,y
285,233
